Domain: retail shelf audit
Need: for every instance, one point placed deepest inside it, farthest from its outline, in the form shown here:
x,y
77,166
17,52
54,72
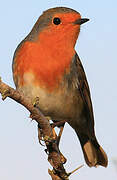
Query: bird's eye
x,y
56,21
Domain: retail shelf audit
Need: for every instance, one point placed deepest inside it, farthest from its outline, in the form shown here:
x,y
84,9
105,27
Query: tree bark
x,y
55,157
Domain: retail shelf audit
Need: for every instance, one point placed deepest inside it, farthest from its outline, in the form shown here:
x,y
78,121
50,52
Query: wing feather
x,y
83,89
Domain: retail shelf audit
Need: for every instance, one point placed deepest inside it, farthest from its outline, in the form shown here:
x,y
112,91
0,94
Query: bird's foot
x,y
47,139
52,141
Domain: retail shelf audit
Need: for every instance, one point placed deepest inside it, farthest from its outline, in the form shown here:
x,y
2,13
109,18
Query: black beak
x,y
81,21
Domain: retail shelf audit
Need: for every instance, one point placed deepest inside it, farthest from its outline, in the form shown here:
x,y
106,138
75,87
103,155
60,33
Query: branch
x,y
55,157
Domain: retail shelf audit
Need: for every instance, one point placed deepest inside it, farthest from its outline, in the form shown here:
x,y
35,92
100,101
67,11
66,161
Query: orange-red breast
x,y
46,65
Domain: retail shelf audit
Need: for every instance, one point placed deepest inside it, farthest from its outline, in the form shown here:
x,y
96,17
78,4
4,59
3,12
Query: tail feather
x,y
93,153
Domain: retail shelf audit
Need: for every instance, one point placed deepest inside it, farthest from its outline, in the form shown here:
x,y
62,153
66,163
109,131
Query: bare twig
x,y
55,157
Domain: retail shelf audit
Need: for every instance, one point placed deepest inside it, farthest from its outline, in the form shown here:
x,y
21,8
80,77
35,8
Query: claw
x,y
46,151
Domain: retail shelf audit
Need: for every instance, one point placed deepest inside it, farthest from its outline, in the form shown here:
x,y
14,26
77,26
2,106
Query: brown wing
x,y
83,88
93,152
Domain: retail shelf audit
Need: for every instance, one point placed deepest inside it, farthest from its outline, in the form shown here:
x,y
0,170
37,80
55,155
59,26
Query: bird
x,y
46,65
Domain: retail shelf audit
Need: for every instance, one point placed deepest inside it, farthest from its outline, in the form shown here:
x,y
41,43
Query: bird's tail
x,y
93,153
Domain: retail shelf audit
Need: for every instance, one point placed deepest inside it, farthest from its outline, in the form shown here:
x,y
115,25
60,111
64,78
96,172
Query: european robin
x,y
46,65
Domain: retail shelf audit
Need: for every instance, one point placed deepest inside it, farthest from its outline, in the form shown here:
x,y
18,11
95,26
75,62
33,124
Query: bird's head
x,y
59,25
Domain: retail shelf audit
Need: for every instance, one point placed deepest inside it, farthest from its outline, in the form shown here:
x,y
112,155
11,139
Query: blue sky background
x,y
21,157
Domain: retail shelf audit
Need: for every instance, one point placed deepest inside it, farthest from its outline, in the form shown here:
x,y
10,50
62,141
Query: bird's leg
x,y
63,159
53,125
61,126
60,134
57,138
